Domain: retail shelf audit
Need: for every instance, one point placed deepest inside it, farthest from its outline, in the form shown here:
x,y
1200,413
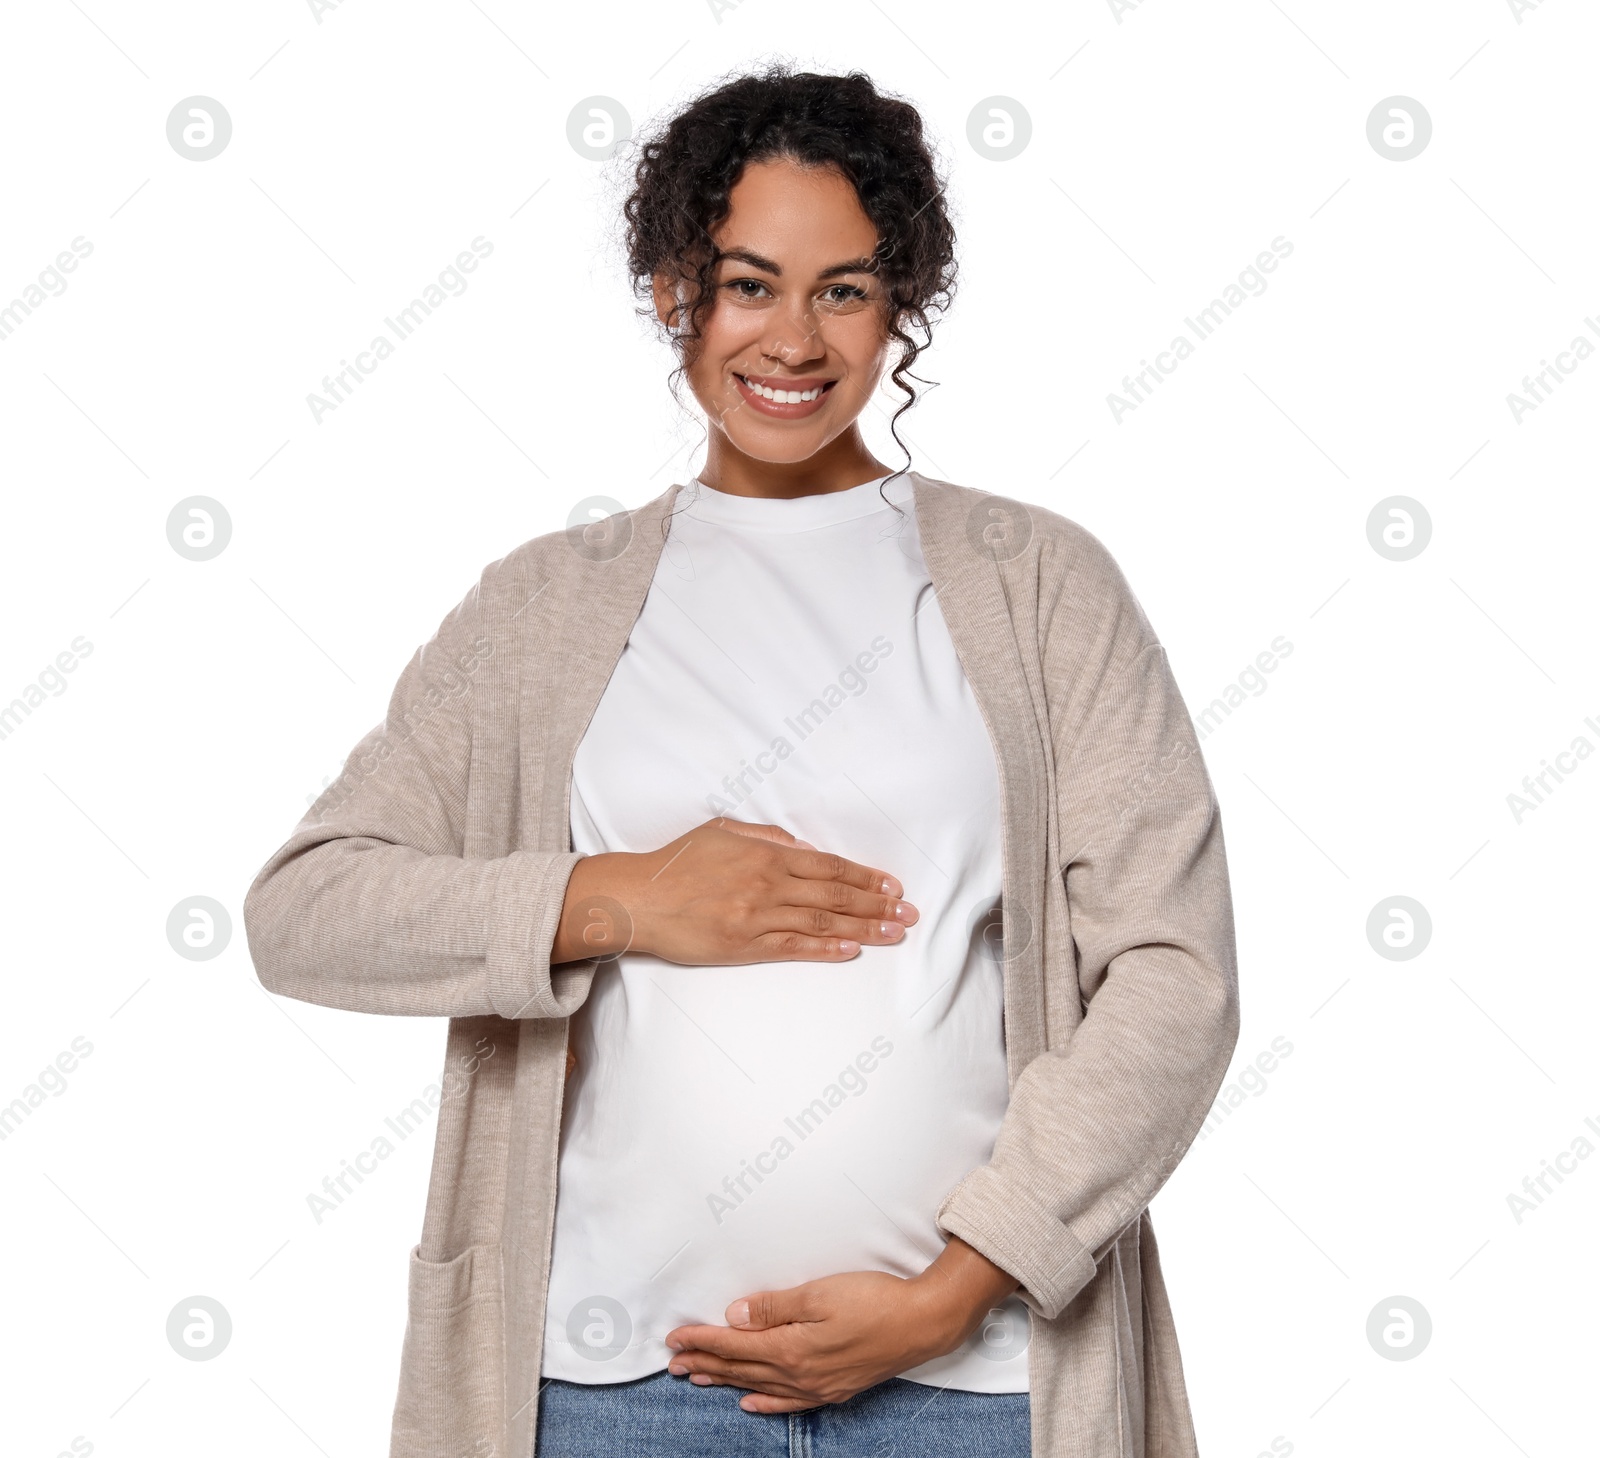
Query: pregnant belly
x,y
728,1130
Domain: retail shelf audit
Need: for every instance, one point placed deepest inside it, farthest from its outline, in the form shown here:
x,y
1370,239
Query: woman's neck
x,y
840,465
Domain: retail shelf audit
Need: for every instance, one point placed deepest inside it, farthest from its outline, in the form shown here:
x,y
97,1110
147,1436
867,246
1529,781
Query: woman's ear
x,y
671,296
667,301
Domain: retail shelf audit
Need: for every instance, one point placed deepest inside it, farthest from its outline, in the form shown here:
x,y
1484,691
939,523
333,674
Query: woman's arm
x,y
730,892
372,906
826,1340
1095,1128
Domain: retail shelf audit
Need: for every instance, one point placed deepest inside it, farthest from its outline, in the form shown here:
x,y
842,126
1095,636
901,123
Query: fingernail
x,y
739,1313
849,949
676,1368
892,930
904,911
676,1346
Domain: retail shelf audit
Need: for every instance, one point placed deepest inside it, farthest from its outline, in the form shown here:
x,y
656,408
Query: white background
x,y
1169,146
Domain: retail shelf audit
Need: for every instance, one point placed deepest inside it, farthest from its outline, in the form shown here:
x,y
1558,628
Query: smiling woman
x,y
805,209
957,1257
789,231
785,297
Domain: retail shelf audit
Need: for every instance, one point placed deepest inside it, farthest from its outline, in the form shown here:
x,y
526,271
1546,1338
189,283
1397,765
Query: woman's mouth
x,y
785,399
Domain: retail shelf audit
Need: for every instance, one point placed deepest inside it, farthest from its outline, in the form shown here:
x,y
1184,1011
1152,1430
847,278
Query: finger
x,y
849,900
722,1343
814,865
755,830
788,946
814,922
705,1370
760,1402
763,1309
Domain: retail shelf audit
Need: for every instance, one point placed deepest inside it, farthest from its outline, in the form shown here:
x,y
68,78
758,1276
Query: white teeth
x,y
783,397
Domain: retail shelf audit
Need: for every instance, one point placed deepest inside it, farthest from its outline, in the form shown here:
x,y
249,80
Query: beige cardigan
x,y
428,880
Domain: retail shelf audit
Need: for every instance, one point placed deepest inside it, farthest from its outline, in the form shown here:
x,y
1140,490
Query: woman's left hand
x,y
826,1340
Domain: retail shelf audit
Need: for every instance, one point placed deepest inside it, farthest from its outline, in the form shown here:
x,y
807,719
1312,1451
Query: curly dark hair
x,y
687,170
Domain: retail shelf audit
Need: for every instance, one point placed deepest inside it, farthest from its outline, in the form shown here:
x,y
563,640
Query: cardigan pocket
x,y
452,1366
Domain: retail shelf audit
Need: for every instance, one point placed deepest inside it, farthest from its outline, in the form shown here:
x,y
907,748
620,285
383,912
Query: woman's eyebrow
x,y
766,265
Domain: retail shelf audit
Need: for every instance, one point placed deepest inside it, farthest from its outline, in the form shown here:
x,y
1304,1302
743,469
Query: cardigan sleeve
x,y
371,904
1095,1127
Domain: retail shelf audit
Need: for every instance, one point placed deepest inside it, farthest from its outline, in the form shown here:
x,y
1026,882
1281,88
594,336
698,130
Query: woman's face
x,y
796,310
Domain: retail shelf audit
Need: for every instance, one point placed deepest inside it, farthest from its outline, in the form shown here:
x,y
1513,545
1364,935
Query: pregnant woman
x,y
821,877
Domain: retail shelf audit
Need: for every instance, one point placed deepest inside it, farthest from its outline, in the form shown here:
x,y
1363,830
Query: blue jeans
x,y
662,1416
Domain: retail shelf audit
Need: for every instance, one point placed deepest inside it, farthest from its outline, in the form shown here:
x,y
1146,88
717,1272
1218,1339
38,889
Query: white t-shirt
x,y
736,1129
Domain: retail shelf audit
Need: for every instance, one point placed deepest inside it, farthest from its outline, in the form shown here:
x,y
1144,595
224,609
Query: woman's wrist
x,y
596,919
957,1290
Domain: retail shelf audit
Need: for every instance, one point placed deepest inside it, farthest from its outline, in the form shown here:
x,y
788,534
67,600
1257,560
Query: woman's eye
x,y
753,288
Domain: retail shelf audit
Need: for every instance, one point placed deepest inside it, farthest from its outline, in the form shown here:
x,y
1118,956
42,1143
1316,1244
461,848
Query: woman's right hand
x,y
729,892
